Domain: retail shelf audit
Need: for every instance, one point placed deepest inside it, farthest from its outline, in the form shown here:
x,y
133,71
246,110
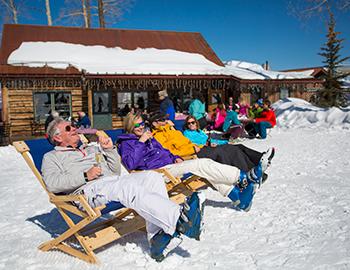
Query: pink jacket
x,y
220,118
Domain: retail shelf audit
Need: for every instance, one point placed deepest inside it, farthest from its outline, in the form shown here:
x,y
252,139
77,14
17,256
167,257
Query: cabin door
x,y
102,109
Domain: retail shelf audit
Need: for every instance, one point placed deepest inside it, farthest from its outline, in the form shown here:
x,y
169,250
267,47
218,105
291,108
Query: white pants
x,y
221,176
145,192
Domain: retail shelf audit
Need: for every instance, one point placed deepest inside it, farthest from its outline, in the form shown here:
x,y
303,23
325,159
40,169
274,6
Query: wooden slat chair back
x,y
89,236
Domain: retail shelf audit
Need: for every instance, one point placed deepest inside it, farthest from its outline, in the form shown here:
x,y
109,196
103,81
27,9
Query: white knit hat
x,y
163,93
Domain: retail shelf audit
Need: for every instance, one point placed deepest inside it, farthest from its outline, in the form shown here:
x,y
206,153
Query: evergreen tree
x,y
332,94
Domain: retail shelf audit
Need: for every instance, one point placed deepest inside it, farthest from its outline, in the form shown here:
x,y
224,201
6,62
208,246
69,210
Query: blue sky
x,y
248,30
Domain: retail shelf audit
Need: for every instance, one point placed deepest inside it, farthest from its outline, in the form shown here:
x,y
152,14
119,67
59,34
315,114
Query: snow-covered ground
x,y
300,218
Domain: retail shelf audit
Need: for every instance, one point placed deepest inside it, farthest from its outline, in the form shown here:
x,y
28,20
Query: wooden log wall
x,y
21,109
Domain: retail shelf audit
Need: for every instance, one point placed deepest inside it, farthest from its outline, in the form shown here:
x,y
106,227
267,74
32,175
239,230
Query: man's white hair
x,y
52,129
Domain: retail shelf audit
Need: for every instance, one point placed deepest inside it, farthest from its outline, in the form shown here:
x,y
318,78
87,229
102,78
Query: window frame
x,y
52,104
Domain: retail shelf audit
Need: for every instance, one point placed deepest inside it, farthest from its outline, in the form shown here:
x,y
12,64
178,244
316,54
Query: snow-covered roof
x,y
99,59
251,71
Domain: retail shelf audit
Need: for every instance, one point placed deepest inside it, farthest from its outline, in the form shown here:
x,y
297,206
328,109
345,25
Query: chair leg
x,y
57,243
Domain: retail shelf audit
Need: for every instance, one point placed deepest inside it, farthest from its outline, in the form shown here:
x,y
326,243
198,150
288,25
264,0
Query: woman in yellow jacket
x,y
164,132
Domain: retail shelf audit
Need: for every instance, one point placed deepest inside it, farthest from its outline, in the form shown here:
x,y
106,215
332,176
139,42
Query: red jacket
x,y
267,116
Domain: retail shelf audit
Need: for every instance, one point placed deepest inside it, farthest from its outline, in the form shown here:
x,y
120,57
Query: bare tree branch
x,y
48,12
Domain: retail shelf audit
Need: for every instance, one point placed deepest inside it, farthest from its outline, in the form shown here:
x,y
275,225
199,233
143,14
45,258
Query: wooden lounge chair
x,y
91,231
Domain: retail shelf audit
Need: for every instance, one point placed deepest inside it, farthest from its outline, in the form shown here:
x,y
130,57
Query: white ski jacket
x,y
63,168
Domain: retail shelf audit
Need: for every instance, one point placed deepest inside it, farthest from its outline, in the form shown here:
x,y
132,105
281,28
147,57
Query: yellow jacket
x,y
174,141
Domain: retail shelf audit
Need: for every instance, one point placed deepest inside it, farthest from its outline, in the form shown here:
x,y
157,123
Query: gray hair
x,y
52,129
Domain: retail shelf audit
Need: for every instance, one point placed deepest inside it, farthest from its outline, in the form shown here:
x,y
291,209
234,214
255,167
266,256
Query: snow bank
x,y
298,113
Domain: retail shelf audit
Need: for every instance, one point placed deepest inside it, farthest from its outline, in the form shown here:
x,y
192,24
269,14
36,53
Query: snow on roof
x,y
100,59
251,71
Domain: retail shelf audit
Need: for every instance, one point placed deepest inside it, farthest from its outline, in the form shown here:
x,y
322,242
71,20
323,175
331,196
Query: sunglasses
x,y
137,125
161,120
68,128
191,123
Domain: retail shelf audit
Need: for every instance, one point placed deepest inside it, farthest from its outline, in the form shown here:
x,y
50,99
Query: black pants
x,y
236,155
202,122
250,129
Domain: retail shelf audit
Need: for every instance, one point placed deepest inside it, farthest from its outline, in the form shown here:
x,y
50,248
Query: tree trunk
x,y
101,14
14,11
88,10
48,12
83,4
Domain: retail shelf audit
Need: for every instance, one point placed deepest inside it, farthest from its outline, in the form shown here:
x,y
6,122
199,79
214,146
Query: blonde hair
x,y
129,122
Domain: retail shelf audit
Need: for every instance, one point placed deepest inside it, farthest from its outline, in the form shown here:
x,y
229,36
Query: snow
x,y
100,59
251,71
300,218
295,113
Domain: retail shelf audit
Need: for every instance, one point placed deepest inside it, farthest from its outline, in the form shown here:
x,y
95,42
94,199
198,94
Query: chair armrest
x,y
57,199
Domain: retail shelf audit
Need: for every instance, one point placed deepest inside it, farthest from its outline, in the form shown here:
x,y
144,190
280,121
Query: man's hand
x,y
105,142
145,136
93,173
178,160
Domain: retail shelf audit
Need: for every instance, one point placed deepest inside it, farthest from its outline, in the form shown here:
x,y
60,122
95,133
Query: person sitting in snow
x,y
266,120
232,125
71,169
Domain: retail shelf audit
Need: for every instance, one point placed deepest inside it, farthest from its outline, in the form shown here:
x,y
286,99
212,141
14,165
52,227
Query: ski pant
x,y
144,192
221,176
236,155
261,127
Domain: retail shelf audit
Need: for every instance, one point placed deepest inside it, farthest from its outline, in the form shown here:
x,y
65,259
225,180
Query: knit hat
x,y
156,116
260,101
163,93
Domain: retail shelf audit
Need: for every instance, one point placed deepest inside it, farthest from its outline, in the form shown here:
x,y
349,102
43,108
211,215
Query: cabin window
x,y
102,102
284,93
45,102
128,100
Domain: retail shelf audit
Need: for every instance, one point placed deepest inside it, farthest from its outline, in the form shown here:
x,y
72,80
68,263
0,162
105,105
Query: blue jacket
x,y
84,122
197,109
231,119
137,155
200,138
167,107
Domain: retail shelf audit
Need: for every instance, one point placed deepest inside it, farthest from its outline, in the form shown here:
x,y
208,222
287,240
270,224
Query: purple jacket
x,y
143,156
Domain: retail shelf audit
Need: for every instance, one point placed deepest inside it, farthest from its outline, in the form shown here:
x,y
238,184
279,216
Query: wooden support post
x,y
5,105
90,104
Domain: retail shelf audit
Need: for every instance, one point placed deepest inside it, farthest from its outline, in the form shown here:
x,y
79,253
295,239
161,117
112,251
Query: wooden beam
x,y
5,104
89,91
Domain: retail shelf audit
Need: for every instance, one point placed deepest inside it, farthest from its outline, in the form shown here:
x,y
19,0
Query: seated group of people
x,y
233,170
240,119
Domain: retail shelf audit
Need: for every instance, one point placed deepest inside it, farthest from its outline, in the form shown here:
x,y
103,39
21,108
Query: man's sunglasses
x,y
191,123
68,128
137,125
